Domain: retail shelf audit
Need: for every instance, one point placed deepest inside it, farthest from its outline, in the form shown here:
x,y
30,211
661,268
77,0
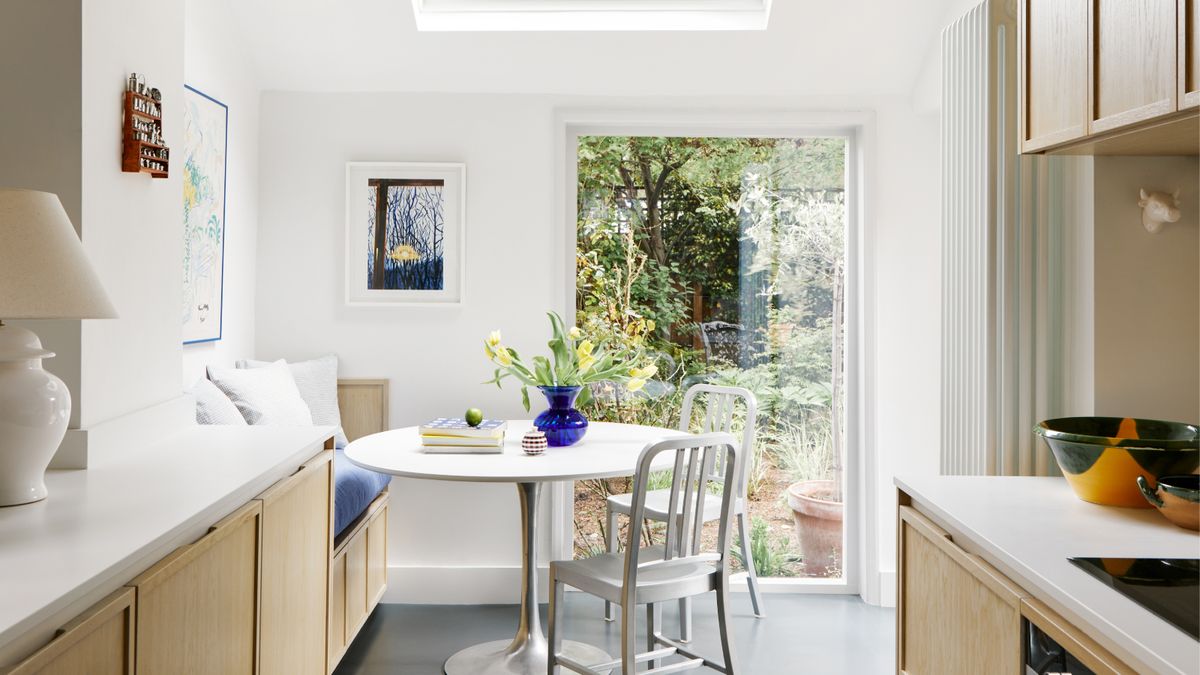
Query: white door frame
x,y
862,576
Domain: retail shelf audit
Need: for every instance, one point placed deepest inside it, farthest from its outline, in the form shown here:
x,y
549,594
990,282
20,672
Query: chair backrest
x,y
720,412
691,484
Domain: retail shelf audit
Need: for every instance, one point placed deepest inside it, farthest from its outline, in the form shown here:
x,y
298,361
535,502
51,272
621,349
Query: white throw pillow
x,y
266,395
317,381
213,406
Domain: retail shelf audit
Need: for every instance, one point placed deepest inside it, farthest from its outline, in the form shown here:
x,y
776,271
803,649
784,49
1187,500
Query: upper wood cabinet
x,y
1109,76
1054,65
197,609
1189,54
99,642
1133,62
296,544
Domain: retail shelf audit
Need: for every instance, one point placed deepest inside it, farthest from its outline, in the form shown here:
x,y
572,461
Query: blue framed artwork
x,y
205,150
404,233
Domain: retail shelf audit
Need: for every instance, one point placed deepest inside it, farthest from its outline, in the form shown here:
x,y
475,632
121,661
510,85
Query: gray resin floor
x,y
811,634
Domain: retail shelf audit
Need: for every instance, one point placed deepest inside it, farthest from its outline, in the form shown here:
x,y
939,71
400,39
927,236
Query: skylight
x,y
591,15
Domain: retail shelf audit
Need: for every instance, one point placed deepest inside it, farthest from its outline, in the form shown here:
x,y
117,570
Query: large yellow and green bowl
x,y
1102,457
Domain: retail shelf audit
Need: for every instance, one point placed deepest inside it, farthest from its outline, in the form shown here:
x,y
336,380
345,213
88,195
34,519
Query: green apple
x,y
474,416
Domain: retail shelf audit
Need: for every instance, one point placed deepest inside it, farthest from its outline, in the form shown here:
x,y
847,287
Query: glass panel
x,y
725,259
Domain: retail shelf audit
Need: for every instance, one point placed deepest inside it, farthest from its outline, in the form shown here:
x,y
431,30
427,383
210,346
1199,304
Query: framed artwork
x,y
405,233
205,148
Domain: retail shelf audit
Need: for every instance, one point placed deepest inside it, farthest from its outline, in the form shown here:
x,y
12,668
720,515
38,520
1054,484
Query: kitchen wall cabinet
x,y
98,642
1108,77
296,541
197,610
1133,62
1188,54
1054,64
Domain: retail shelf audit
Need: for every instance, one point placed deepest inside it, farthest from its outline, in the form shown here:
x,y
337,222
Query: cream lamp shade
x,y
44,274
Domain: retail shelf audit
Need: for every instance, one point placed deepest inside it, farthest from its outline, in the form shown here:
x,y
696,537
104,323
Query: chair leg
x,y
611,546
653,626
685,620
751,566
628,640
725,625
554,632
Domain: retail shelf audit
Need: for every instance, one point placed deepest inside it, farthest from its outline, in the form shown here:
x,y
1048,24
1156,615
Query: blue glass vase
x,y
561,422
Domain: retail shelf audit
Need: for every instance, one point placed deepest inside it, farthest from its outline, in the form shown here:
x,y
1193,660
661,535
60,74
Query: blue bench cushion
x,y
354,490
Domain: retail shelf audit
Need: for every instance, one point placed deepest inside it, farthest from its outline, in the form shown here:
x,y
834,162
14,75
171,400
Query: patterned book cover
x,y
457,426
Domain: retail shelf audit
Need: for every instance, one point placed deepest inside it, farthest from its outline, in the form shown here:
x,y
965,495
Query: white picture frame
x,y
414,252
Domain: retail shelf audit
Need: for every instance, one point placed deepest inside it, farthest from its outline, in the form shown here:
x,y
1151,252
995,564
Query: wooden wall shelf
x,y
142,147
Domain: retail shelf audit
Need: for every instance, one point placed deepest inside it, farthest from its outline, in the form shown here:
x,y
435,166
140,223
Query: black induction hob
x,y
1169,588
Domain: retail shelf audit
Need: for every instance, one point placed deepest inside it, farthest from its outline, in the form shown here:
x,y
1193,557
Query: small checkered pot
x,y
533,442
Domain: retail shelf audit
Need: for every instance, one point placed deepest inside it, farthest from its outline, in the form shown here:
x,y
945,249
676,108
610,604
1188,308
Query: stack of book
x,y
454,435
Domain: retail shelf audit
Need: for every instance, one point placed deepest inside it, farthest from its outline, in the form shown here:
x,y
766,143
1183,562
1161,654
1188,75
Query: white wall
x,y
432,355
216,62
1147,292
44,154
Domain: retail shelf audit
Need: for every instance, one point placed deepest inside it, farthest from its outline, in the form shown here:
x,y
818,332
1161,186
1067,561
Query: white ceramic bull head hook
x,y
1158,208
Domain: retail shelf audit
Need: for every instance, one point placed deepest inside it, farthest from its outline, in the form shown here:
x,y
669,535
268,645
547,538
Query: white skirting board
x,y
501,585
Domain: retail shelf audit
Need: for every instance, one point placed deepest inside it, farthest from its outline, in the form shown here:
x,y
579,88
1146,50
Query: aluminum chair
x,y
719,407
678,568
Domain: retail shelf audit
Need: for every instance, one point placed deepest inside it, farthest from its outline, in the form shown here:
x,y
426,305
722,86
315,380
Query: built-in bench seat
x,y
354,490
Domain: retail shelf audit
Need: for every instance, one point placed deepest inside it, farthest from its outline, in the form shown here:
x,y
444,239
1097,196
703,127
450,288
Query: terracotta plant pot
x,y
818,522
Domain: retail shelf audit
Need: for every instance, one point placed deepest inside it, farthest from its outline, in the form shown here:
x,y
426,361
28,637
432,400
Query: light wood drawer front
x,y
1088,651
377,557
356,583
957,614
98,642
198,608
1054,53
295,561
1133,62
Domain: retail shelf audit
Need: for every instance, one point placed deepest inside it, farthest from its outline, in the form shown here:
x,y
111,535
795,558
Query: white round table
x,y
608,450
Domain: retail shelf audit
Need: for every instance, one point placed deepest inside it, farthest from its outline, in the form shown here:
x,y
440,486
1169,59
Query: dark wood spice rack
x,y
143,120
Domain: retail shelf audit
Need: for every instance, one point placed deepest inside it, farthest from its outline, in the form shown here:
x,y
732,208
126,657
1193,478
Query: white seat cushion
x,y
659,501
266,395
602,575
317,381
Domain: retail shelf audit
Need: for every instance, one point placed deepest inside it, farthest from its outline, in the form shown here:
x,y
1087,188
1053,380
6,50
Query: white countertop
x,y
1028,527
102,526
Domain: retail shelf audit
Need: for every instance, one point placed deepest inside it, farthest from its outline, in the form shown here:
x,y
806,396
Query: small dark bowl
x,y
1102,457
1176,497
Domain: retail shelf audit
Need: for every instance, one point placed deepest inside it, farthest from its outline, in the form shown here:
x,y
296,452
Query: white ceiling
x,y
812,47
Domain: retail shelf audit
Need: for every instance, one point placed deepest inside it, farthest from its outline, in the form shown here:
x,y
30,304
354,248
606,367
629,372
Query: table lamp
x,y
44,274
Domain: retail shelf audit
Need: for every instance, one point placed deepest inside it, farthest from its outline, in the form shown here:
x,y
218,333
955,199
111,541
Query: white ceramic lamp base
x,y
34,409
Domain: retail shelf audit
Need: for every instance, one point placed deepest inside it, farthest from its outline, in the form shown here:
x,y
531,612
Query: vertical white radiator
x,y
1001,339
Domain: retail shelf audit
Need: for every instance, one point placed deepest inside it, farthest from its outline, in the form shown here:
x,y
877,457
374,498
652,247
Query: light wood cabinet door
x,y
197,609
296,539
98,642
955,613
1133,62
337,610
377,557
1053,60
356,585
1188,64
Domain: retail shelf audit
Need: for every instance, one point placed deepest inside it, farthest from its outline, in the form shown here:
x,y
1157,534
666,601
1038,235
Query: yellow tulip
x,y
487,349
635,384
650,325
503,357
584,349
643,373
586,363
493,339
574,333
